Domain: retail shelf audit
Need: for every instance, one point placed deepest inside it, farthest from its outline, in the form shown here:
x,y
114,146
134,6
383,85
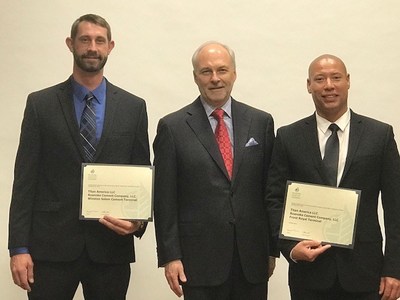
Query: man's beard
x,y
89,66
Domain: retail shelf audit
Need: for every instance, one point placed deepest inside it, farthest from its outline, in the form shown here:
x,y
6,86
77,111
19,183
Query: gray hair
x,y
227,48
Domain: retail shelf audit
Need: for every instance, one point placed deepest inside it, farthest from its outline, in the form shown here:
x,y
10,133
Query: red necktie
x,y
224,143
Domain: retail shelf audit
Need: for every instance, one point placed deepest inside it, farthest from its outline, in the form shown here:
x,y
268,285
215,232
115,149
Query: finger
x,y
324,248
391,293
182,276
117,229
318,251
174,285
382,286
387,292
122,227
311,243
23,282
30,274
177,290
20,278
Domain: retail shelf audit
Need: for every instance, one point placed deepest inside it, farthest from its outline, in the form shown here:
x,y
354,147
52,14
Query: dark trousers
x,y
334,293
235,288
59,280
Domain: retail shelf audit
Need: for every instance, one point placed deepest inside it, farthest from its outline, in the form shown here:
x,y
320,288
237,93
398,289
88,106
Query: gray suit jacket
x,y
372,166
44,212
199,212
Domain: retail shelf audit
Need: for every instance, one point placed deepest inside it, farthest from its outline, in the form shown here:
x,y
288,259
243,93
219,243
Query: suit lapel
x,y
112,102
311,137
67,104
66,100
199,123
241,127
356,131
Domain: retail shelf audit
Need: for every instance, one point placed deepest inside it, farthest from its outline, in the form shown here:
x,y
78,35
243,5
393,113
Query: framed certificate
x,y
121,191
323,213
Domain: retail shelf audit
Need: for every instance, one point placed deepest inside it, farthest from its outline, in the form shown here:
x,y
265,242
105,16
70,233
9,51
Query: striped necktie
x,y
88,128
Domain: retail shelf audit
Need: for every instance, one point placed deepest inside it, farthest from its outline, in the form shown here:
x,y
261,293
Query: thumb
x,y
30,274
382,286
182,276
311,243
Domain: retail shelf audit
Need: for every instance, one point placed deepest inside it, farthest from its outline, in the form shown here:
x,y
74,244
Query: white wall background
x,y
274,41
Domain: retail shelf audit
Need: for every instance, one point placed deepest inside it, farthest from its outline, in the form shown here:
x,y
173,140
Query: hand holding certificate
x,y
322,213
122,191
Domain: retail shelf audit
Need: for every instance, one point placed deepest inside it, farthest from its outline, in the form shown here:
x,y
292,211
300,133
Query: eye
x,y
84,39
100,41
337,78
205,72
319,79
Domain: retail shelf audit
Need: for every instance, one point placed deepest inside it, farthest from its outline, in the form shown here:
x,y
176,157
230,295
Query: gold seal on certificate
x,y
121,191
322,213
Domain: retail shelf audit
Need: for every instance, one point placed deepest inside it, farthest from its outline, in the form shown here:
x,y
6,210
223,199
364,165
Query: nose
x,y
328,84
92,45
215,77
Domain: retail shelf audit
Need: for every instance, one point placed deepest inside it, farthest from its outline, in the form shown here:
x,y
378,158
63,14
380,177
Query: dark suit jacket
x,y
198,210
44,212
372,166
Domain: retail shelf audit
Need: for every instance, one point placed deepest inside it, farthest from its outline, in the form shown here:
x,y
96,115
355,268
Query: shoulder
x,y
183,113
368,121
254,112
45,98
371,127
307,122
123,94
51,90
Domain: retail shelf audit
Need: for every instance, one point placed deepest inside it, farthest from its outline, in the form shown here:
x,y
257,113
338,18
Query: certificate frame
x,y
121,191
318,212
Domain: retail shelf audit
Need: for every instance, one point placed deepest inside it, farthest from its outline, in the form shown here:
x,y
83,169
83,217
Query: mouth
x,y
330,96
90,57
216,88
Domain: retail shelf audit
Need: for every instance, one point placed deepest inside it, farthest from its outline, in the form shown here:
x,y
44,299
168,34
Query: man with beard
x,y
51,250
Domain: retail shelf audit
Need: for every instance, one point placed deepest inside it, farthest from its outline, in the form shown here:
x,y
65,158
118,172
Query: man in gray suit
x,y
211,224
51,250
368,160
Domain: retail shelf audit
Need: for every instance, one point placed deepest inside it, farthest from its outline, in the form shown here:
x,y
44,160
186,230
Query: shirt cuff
x,y
291,256
19,250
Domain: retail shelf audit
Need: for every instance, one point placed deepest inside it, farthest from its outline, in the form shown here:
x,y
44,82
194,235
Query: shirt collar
x,y
342,122
227,107
80,91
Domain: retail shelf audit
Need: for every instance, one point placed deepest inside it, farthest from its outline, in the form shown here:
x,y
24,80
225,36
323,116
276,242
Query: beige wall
x,y
274,43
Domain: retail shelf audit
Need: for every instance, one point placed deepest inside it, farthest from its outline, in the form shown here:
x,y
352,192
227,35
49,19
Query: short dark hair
x,y
91,18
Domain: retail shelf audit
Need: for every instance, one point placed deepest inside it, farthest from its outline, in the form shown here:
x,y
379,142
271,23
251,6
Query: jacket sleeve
x,y
166,196
390,194
25,178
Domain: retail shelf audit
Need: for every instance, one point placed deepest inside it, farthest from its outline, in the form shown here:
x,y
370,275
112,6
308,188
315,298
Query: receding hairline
x,y
326,57
202,46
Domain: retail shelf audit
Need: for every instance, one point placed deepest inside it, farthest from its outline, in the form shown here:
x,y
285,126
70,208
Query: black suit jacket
x,y
372,166
44,212
198,210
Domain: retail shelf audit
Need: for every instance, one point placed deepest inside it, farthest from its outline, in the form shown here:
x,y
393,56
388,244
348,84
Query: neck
x,y
90,80
332,116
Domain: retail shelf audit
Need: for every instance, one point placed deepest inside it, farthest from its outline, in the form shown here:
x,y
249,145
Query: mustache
x,y
91,55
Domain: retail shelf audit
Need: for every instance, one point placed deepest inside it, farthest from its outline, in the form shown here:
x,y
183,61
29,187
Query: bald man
x,y
369,161
211,222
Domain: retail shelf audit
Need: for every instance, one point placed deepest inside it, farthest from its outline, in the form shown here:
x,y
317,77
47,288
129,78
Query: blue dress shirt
x,y
79,94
